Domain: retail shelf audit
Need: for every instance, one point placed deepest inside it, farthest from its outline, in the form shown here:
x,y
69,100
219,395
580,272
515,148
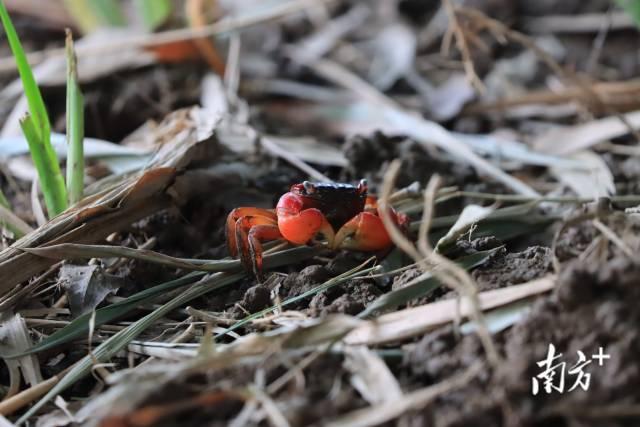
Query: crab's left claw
x,y
366,232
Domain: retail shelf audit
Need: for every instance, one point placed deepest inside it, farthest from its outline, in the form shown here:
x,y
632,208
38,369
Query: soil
x,y
508,269
593,306
594,303
369,156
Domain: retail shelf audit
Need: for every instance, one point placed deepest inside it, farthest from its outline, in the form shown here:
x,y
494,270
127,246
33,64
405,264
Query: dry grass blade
x,y
78,251
25,397
135,197
194,9
581,23
463,47
308,333
371,376
415,400
14,338
13,222
502,31
620,96
411,322
451,274
614,238
290,157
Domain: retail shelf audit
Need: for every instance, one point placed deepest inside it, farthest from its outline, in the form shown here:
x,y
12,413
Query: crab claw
x,y
366,232
299,225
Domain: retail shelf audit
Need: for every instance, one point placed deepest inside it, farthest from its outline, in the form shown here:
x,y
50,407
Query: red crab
x,y
342,213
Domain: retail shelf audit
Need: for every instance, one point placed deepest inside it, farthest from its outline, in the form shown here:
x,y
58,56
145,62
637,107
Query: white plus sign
x,y
600,356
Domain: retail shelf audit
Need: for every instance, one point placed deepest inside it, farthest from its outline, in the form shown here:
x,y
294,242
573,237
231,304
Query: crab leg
x,y
243,227
234,216
257,235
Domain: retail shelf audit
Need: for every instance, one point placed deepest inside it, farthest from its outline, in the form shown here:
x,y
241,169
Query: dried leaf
x,y
87,286
592,179
14,338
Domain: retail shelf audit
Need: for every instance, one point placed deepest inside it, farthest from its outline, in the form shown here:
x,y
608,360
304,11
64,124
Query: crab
x,y
343,214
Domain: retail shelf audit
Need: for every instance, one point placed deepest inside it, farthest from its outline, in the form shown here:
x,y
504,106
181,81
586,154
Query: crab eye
x,y
309,187
362,186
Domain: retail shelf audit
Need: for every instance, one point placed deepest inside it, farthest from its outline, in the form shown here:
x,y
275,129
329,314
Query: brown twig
x,y
463,47
25,397
195,12
613,237
622,96
497,27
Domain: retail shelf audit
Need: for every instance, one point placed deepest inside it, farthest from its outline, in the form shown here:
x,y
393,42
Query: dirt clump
x,y
507,269
368,157
594,306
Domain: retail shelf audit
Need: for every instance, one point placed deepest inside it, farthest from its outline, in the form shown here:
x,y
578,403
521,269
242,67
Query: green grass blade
x,y
109,12
82,15
4,201
632,8
113,345
420,287
36,126
153,12
34,97
75,127
46,163
13,223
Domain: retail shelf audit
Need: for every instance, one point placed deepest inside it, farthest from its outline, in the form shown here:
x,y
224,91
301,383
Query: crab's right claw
x,y
364,232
